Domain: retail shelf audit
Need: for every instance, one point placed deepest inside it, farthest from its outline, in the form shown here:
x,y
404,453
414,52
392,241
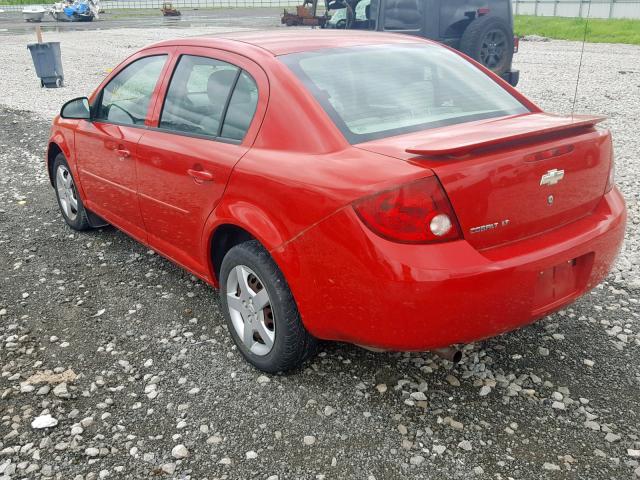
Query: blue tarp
x,y
80,8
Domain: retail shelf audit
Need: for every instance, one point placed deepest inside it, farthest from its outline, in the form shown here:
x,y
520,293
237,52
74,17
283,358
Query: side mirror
x,y
78,108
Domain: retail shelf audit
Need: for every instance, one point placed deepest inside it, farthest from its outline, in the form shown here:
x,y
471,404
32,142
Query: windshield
x,y
377,91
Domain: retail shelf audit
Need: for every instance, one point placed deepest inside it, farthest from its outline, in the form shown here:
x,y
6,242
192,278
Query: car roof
x,y
282,42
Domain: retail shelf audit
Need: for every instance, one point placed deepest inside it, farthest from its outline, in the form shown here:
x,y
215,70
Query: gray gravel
x,y
117,364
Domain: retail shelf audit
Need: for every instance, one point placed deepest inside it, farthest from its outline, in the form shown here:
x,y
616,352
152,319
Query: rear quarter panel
x,y
276,195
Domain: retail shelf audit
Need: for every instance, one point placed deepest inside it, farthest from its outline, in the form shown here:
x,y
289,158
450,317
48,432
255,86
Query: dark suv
x,y
482,29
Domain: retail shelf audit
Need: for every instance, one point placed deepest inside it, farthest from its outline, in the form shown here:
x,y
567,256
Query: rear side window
x,y
125,99
402,14
209,97
377,91
242,106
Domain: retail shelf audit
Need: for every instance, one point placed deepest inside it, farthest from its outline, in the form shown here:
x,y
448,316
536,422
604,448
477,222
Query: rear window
x,y
377,91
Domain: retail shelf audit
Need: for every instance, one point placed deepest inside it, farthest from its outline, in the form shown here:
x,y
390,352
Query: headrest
x,y
218,86
243,90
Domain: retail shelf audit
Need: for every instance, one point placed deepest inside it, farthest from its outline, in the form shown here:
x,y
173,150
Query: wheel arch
x,y
58,144
230,225
53,150
456,29
222,239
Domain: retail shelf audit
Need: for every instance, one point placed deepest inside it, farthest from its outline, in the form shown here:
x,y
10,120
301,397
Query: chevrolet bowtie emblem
x,y
552,177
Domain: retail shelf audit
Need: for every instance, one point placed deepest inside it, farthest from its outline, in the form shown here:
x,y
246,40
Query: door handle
x,y
200,175
122,154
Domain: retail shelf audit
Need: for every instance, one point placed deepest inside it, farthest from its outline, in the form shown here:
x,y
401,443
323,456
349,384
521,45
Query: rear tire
x,y
489,41
248,269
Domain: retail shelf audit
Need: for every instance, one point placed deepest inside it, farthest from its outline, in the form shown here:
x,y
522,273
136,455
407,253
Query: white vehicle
x,y
33,13
339,17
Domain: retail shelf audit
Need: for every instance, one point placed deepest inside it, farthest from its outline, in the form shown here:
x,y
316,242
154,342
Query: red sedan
x,y
371,188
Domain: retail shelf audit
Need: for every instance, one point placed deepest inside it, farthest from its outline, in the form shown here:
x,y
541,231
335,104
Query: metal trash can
x,y
48,62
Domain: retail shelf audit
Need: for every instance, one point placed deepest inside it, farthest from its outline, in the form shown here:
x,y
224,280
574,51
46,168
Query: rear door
x,y
208,119
106,147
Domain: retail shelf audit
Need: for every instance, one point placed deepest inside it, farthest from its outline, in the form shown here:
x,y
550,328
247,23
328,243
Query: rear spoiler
x,y
499,132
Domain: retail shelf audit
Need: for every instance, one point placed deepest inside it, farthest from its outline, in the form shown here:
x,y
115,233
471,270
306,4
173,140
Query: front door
x,y
203,129
107,146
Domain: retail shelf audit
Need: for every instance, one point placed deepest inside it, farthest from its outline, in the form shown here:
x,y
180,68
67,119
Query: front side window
x,y
209,97
126,97
377,91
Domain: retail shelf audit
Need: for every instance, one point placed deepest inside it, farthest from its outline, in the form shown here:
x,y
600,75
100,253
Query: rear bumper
x,y
353,286
512,77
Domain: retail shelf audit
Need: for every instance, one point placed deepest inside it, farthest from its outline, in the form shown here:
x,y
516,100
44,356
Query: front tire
x,y
260,310
69,201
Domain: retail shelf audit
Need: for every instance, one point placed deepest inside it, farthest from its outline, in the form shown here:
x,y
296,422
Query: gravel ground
x,y
124,358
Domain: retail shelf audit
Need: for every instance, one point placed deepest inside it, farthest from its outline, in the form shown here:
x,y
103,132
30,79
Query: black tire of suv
x,y
471,41
293,345
81,220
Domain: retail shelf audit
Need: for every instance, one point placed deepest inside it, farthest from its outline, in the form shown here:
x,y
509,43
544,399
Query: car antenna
x,y
584,40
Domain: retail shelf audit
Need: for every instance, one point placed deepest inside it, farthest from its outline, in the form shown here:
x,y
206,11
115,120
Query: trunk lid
x,y
512,177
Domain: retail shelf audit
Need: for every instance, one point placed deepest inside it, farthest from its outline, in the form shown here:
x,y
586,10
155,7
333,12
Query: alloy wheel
x,y
493,48
67,192
250,310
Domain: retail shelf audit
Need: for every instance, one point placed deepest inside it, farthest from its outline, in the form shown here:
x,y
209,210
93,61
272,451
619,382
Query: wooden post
x,y
39,33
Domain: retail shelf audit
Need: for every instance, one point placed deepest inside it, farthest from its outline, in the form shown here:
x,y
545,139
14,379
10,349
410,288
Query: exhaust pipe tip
x,y
452,354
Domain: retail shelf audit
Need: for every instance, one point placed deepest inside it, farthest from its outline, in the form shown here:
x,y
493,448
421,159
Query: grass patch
x,y
598,31
20,2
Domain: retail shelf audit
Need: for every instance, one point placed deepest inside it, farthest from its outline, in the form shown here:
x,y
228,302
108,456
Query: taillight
x,y
418,212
